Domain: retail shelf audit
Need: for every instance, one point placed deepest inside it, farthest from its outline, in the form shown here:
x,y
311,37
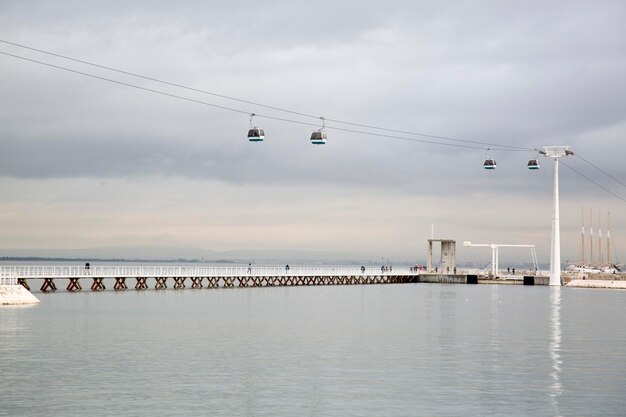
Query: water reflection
x,y
555,347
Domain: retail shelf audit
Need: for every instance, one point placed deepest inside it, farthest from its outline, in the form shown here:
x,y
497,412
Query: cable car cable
x,y
593,182
247,112
361,132
601,170
508,148
255,103
157,80
125,84
501,147
431,136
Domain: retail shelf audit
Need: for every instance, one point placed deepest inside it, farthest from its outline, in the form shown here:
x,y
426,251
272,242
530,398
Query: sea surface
x,y
374,350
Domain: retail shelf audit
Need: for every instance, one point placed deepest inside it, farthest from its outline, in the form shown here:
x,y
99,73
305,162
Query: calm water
x,y
384,350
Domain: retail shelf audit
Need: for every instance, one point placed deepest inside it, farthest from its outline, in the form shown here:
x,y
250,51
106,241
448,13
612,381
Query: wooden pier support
x,y
48,285
141,283
241,280
161,283
196,282
98,285
179,283
23,283
74,285
120,284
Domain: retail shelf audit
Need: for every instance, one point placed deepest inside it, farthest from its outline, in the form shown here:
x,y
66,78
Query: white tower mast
x,y
582,238
591,236
608,239
555,152
600,257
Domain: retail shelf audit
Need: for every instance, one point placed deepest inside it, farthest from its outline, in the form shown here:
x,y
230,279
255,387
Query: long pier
x,y
121,278
179,277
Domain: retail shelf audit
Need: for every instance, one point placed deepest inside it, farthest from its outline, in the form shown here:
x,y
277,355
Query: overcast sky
x,y
89,165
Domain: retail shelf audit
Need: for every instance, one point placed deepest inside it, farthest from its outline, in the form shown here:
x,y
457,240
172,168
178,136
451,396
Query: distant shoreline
x,y
180,260
253,260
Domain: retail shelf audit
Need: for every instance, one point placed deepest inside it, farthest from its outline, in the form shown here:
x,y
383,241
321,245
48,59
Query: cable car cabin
x,y
489,164
533,164
256,135
318,138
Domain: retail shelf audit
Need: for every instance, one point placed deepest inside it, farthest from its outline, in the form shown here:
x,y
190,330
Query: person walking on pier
x,y
249,268
87,268
287,268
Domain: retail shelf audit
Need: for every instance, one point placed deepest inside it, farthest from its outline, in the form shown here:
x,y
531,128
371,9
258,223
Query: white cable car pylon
x,y
318,137
255,134
555,152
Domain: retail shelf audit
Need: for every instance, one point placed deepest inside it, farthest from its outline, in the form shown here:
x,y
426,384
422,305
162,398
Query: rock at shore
x,y
597,283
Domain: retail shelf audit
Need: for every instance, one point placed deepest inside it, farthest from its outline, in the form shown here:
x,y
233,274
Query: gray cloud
x,y
525,74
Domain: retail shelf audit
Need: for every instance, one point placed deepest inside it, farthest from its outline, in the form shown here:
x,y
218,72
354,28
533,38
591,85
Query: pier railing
x,y
8,280
14,272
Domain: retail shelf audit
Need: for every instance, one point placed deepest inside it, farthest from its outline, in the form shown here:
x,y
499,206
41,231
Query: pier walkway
x,y
201,276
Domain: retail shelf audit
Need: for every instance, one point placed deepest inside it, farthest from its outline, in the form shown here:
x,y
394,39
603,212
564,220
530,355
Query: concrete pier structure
x,y
447,262
12,293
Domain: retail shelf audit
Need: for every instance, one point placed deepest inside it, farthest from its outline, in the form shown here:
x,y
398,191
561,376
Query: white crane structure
x,y
494,253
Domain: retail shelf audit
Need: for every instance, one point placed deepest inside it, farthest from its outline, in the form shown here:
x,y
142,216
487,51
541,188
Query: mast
x,y
608,239
600,260
590,235
582,237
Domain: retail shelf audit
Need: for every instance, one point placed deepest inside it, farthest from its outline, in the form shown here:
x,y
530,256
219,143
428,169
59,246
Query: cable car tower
x,y
555,152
